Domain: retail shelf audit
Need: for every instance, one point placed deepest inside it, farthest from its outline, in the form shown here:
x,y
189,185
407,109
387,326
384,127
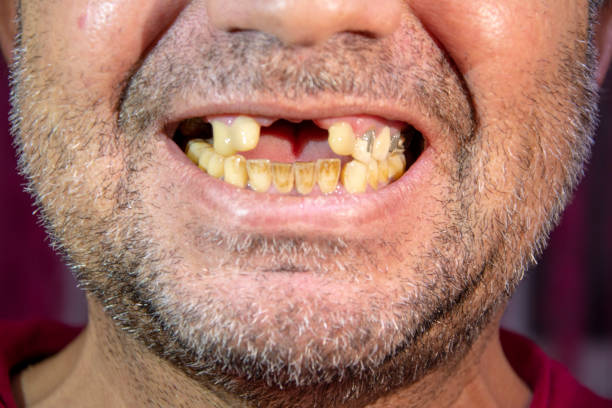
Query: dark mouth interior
x,y
300,133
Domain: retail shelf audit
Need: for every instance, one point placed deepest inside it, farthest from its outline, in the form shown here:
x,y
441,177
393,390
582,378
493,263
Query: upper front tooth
x,y
222,139
341,138
380,150
244,133
362,150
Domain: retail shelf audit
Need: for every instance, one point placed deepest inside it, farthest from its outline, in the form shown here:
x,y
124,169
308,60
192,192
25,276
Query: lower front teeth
x,y
378,160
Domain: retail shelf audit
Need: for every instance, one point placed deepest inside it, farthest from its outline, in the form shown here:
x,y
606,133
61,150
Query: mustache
x,y
222,66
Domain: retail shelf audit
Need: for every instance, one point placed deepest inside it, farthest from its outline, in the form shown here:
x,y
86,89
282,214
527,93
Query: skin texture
x,y
393,301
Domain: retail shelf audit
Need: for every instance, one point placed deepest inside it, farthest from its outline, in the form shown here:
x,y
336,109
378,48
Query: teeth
x,y
397,165
222,139
216,165
354,177
383,172
235,172
244,133
304,177
195,148
372,177
341,138
260,174
327,172
362,150
282,177
395,142
380,150
205,157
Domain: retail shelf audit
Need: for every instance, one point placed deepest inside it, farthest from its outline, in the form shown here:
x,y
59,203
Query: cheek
x,y
98,42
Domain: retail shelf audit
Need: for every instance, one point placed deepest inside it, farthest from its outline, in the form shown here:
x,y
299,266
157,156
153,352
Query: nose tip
x,y
306,22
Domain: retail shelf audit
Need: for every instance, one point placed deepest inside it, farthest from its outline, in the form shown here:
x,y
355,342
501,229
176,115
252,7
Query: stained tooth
x,y
195,148
354,177
304,177
205,157
380,150
234,171
282,177
216,165
341,138
397,165
260,174
373,174
244,133
222,139
327,173
383,171
362,149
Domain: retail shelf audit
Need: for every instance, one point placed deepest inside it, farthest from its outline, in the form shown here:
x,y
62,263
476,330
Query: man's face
x,y
493,101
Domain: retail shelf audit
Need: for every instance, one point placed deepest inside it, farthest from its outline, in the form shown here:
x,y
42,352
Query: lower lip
x,y
277,213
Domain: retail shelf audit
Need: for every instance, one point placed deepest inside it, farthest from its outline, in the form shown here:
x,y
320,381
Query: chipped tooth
x,y
327,173
205,157
362,149
373,174
244,133
282,177
260,174
304,177
383,172
380,150
222,139
354,177
216,165
234,171
195,148
397,165
341,138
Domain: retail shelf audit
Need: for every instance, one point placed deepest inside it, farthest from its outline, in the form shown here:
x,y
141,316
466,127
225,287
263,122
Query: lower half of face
x,y
285,255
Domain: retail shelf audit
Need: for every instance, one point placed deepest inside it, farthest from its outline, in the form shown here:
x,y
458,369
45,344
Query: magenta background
x,y
564,304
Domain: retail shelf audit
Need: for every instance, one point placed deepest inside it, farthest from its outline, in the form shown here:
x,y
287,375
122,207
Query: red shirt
x,y
23,343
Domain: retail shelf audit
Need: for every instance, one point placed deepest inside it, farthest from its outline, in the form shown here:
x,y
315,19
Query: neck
x,y
106,367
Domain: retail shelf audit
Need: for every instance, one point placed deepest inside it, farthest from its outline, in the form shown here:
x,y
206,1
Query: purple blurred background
x,y
564,303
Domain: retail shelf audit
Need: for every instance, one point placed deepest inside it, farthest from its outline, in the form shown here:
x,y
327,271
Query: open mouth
x,y
353,154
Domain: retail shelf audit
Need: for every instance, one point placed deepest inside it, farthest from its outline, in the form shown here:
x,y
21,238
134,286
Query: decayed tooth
x,y
397,165
341,138
244,133
354,177
362,150
327,173
205,157
195,148
304,177
380,150
216,165
282,177
234,171
383,171
260,174
372,176
222,138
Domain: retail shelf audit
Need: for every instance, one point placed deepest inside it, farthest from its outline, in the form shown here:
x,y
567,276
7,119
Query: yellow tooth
x,y
260,175
244,133
234,171
195,148
216,165
341,138
383,172
354,177
222,139
380,150
282,177
373,174
362,150
397,165
327,173
205,157
304,177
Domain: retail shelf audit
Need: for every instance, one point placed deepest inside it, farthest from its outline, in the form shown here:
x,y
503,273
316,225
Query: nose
x,y
307,22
